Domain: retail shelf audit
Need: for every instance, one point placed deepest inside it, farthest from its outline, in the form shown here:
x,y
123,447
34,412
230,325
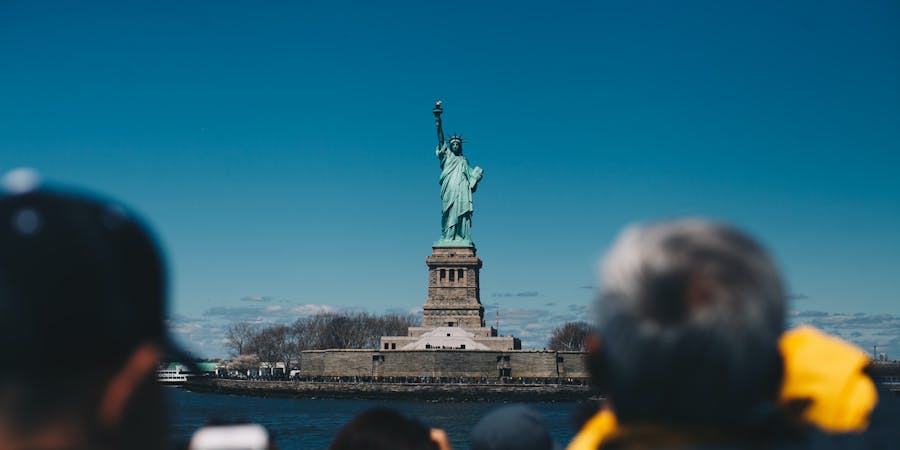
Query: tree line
x,y
250,343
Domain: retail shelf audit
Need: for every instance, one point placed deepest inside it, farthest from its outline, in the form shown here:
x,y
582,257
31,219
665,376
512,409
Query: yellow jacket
x,y
818,367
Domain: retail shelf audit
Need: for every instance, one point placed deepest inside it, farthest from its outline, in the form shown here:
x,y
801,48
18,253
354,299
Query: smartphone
x,y
245,436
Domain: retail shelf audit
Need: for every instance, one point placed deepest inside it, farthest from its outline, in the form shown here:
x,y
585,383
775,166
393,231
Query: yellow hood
x,y
817,367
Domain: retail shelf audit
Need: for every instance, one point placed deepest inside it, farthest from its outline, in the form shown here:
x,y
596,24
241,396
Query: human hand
x,y
439,436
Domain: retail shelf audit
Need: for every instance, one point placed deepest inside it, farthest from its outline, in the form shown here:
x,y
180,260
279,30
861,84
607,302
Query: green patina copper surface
x,y
458,182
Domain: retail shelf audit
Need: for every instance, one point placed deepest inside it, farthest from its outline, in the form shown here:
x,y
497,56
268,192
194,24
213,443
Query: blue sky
x,y
285,153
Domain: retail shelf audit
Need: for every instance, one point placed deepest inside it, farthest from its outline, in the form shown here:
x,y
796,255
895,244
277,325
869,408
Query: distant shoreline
x,y
393,391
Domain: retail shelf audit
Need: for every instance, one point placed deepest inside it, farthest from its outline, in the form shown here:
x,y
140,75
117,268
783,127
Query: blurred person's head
x,y
515,427
386,429
82,297
688,323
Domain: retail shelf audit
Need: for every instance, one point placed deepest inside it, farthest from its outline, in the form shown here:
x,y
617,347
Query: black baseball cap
x,y
82,282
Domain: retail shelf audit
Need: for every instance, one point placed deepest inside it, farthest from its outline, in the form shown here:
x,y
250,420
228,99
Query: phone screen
x,y
248,436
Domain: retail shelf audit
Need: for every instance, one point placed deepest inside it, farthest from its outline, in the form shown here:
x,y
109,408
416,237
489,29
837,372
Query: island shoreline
x,y
394,391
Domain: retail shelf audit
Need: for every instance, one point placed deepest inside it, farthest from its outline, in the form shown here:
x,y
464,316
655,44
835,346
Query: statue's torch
x,y
437,121
437,109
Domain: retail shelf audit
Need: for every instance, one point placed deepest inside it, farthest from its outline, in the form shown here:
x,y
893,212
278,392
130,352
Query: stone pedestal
x,y
453,315
453,299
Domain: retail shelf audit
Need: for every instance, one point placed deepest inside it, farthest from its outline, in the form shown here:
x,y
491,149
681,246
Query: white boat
x,y
174,374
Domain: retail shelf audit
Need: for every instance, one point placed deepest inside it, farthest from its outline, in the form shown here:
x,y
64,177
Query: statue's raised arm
x,y
437,121
458,181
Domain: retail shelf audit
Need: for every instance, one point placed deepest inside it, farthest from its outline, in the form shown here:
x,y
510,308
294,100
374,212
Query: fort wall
x,y
443,363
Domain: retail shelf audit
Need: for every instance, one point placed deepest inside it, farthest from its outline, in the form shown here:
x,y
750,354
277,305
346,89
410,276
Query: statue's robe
x,y
457,182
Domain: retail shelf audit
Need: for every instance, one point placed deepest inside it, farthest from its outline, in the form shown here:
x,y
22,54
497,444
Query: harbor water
x,y
311,423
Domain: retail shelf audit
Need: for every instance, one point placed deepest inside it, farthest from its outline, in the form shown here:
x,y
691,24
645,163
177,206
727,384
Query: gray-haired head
x,y
689,319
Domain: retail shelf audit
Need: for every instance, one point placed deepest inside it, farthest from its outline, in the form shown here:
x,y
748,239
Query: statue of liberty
x,y
458,182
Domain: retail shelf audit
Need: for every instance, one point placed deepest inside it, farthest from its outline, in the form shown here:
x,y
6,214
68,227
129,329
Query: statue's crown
x,y
456,138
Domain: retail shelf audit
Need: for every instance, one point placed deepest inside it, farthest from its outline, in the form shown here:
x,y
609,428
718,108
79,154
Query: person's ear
x,y
596,366
142,363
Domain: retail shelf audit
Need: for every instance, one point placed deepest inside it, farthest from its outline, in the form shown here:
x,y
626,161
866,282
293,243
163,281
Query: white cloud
x,y
516,294
310,310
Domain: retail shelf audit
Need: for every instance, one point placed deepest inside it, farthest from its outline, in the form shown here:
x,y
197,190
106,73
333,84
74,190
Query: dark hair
x,y
383,429
82,282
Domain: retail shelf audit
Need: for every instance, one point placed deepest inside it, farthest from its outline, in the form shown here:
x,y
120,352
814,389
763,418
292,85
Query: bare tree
x,y
569,337
265,344
362,330
387,325
283,343
345,331
396,324
239,336
310,331
286,348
